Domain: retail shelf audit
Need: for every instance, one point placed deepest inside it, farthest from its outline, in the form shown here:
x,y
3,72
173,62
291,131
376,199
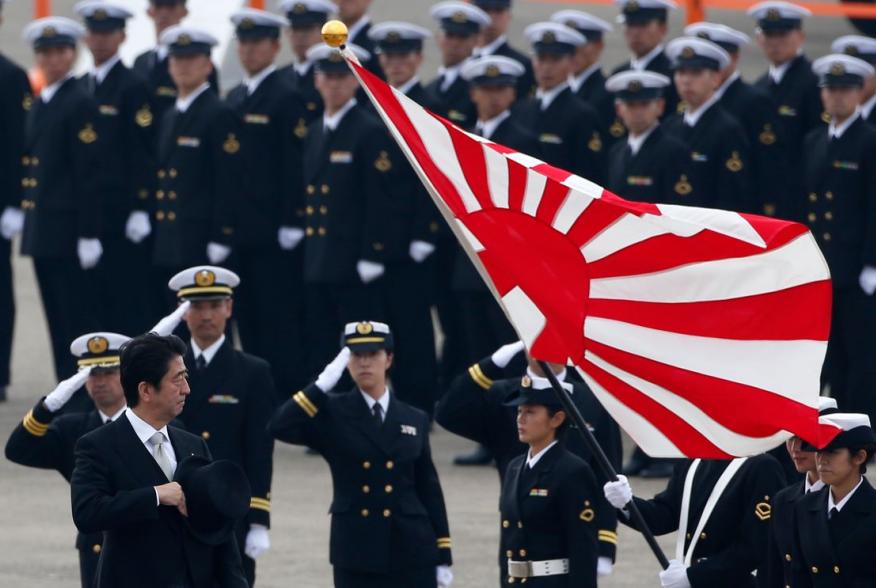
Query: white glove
x,y
138,226
289,237
11,222
604,566
420,250
89,251
369,271
329,377
168,324
868,280
675,576
217,253
619,493
65,390
257,541
504,354
444,576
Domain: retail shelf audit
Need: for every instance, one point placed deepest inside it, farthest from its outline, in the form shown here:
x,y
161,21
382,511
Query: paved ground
x,y
36,545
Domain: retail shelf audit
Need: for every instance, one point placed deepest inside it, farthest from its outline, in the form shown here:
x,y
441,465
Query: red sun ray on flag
x,y
701,331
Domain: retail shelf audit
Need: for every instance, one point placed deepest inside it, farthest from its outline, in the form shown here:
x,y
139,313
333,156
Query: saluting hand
x,y
329,377
65,390
504,354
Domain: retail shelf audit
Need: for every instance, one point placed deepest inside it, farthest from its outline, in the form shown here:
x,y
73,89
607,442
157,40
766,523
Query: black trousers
x,y
70,302
7,310
453,348
129,304
414,578
850,366
485,326
88,565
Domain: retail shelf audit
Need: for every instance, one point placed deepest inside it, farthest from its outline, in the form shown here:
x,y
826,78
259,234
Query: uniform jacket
x,y
653,173
593,92
454,103
304,85
387,507
15,101
162,90
663,65
783,558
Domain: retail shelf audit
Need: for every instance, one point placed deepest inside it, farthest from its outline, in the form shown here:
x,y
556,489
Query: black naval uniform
x,y
548,512
734,540
783,565
162,90
661,64
230,404
453,102
125,126
304,85
652,174
270,300
200,179
593,92
840,209
15,100
389,523
61,200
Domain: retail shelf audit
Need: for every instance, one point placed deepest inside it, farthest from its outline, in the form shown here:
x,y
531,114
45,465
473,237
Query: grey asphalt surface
x,y
36,541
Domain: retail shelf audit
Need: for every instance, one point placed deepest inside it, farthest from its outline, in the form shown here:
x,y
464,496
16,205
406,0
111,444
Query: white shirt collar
x,y
490,48
641,63
777,72
253,83
720,91
488,127
547,97
839,505
143,429
383,401
182,104
101,71
810,487
332,122
406,87
210,352
867,107
576,81
302,67
104,418
450,74
636,142
836,131
531,460
692,118
353,30
49,91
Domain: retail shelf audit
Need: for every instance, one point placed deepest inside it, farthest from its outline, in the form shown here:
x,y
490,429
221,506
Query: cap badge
x,y
99,14
205,278
688,53
364,328
299,8
49,31
459,17
634,86
492,71
247,23
837,69
852,50
526,382
97,345
773,14
392,37
549,37
335,57
703,35
631,6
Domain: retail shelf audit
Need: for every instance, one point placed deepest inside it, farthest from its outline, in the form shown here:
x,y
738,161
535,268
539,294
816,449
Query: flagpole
x,y
604,464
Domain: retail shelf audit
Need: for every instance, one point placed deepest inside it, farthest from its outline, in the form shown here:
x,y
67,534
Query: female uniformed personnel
x,y
549,526
389,522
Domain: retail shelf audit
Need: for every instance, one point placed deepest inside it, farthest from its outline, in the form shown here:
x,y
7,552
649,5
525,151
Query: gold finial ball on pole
x,y
334,33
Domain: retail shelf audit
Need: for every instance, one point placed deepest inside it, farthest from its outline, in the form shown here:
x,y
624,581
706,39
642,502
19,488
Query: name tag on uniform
x,y
785,110
341,157
165,91
541,492
257,119
700,157
550,138
850,165
108,110
456,115
188,141
640,181
409,430
223,399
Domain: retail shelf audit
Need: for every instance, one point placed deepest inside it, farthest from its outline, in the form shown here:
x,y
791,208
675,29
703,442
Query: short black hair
x,y
146,359
853,451
553,410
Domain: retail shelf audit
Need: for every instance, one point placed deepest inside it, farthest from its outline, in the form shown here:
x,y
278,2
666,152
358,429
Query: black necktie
x,y
201,362
377,411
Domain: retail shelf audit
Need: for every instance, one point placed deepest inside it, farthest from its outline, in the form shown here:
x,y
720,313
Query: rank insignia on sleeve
x,y
595,143
231,144
143,117
88,135
383,163
763,511
734,164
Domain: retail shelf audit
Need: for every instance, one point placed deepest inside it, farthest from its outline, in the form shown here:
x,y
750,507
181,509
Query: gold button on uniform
x,y
836,569
311,189
364,512
96,548
173,173
787,557
510,579
171,195
387,513
519,524
205,435
366,489
324,189
390,465
160,215
323,210
388,489
162,174
813,197
321,231
702,536
827,237
509,553
505,524
171,216
814,570
828,215
828,195
366,465
812,217
309,210
309,231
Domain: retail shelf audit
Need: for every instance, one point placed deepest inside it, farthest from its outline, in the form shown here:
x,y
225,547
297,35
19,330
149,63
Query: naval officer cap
x,y
101,16
53,31
725,37
398,37
252,24
553,38
489,5
641,12
637,86
367,336
304,14
459,18
696,53
535,390
329,60
827,405
182,40
841,71
492,70
855,432
857,46
98,350
592,27
204,282
778,16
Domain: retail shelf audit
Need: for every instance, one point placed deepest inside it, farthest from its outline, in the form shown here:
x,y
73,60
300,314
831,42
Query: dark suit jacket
x,y
145,545
15,100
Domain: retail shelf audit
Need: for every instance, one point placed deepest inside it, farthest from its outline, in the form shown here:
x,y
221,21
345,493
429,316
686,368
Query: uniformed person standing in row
x,y
649,163
862,48
389,522
645,30
153,65
200,170
46,440
347,182
839,205
752,108
231,398
270,213
15,100
354,14
494,41
61,196
716,167
567,129
306,18
125,127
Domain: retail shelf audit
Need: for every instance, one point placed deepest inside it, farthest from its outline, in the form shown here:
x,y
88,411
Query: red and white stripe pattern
x,y
701,331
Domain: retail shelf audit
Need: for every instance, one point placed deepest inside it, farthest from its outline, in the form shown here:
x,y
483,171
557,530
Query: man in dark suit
x,y
122,483
270,215
127,178
15,101
231,398
389,521
61,196
200,170
494,41
306,18
862,48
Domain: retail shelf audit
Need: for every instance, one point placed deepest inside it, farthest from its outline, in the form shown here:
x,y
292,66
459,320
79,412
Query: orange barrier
x,y
42,8
260,4
850,9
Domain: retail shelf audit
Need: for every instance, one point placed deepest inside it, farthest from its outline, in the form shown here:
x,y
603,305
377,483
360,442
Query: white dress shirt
x,y
101,71
720,91
636,142
144,432
531,460
576,81
406,87
105,419
491,47
691,118
252,83
777,72
383,401
330,123
449,74
49,91
836,131
839,505
546,97
486,128
812,487
353,29
182,104
641,63
210,352
867,107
